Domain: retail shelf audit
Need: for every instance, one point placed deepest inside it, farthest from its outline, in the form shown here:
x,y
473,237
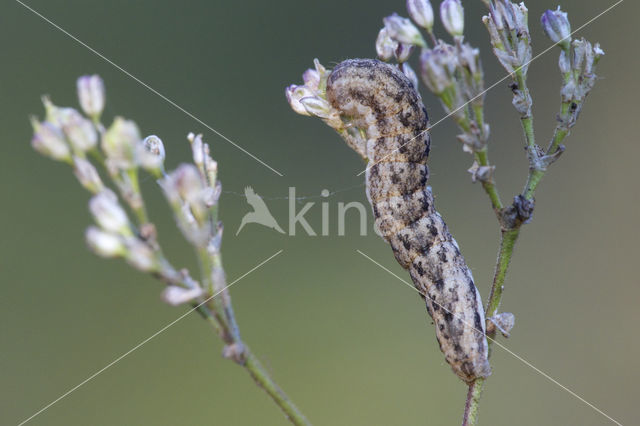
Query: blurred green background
x,y
349,343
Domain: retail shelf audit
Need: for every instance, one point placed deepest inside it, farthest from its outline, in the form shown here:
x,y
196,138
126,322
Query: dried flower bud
x,y
108,213
151,154
508,27
481,173
103,243
452,16
578,65
235,351
402,30
119,143
385,46
556,26
295,94
421,12
49,140
91,95
87,175
502,322
175,295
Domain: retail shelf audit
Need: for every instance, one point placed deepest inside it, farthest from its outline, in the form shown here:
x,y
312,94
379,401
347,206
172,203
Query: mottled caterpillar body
x,y
387,124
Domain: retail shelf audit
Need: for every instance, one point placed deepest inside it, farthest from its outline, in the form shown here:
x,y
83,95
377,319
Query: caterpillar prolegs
x,y
387,124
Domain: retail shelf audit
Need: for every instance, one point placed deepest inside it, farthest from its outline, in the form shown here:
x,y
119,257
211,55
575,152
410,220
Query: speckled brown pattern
x,y
379,100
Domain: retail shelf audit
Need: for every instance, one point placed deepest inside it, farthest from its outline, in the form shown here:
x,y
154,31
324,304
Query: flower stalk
x,y
193,192
577,64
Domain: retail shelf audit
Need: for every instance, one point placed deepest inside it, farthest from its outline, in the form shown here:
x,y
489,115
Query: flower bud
x,y
140,255
185,184
211,167
108,213
311,78
385,46
55,114
316,106
410,73
197,148
104,243
421,12
452,16
87,174
119,143
80,132
402,30
315,78
175,295
403,52
557,27
151,154
91,95
294,94
437,68
49,140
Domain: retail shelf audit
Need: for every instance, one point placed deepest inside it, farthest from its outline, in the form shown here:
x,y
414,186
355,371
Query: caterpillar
x,y
387,124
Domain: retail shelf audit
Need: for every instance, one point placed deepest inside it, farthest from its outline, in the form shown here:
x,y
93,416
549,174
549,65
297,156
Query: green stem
x,y
263,379
507,243
137,205
473,402
561,131
527,118
215,304
219,313
536,174
482,157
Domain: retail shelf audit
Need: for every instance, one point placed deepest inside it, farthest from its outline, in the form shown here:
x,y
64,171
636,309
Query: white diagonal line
x,y
148,87
136,347
518,357
590,21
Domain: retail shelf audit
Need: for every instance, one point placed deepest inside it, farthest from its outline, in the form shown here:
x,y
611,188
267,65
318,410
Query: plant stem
x,y
263,379
507,243
527,117
508,240
135,200
473,401
489,186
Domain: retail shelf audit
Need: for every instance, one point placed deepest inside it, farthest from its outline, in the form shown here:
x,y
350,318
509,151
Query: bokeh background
x,y
350,343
